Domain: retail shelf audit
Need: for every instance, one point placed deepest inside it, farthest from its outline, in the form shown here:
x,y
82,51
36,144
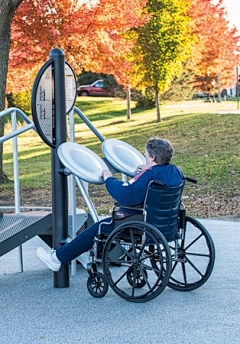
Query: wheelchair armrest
x,y
137,207
117,204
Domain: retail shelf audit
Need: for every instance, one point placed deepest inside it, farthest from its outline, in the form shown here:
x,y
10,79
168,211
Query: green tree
x,y
182,86
163,44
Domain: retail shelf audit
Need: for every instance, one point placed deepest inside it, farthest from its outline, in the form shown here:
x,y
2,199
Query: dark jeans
x,y
83,242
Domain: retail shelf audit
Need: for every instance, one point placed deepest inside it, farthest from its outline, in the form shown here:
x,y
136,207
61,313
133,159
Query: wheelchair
x,y
157,247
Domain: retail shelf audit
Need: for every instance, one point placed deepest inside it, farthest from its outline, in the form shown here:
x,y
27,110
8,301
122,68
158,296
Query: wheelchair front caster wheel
x,y
97,285
136,277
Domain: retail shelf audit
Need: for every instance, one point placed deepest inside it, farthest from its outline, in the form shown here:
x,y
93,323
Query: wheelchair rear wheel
x,y
142,271
195,258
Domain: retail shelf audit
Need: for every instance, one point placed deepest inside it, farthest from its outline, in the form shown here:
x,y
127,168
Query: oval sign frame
x,y
71,94
43,99
40,111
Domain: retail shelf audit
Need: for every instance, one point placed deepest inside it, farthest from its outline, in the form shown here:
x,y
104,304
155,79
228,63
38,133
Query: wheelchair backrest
x,y
162,205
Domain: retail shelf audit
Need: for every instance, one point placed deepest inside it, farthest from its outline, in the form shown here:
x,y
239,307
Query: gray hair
x,y
160,148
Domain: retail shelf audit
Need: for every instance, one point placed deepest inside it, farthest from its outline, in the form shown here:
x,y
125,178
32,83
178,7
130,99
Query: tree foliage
x,y
181,86
91,34
217,47
136,41
164,43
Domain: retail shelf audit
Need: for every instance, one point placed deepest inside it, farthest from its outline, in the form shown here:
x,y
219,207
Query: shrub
x,y
178,91
146,99
21,100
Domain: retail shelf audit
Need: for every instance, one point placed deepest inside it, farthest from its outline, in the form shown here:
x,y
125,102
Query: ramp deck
x,y
17,229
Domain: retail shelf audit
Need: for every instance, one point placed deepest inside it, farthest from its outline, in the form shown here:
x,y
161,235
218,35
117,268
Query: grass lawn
x,y
204,136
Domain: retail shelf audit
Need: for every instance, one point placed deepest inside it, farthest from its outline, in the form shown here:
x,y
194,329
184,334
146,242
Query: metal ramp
x,y
17,229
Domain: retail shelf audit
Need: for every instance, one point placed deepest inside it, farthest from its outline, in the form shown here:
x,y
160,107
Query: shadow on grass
x,y
39,151
90,103
200,139
109,113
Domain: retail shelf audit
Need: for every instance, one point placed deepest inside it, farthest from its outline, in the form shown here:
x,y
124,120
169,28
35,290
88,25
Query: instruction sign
x,y
43,100
70,87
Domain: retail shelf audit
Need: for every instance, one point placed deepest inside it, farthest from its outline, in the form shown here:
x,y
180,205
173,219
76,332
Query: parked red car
x,y
97,88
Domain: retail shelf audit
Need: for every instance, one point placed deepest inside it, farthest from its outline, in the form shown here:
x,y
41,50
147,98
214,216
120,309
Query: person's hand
x,y
106,174
141,168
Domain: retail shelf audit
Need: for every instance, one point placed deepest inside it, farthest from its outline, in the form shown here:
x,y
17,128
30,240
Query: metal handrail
x,y
13,135
88,123
30,124
16,132
20,112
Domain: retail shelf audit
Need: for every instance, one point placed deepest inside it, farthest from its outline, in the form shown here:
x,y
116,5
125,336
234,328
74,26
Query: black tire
x,y
97,285
140,280
84,94
195,258
134,239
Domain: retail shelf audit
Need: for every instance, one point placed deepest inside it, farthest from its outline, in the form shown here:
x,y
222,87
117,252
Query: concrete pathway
x,y
34,312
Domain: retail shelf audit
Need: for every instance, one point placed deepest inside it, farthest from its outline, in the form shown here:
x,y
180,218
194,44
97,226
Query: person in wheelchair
x,y
158,155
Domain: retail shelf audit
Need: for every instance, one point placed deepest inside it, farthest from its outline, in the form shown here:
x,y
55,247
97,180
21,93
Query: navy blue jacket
x,y
133,192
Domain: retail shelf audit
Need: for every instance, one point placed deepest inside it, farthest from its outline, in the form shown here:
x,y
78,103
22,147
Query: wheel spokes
x,y
143,246
193,242
194,267
193,258
184,273
197,254
134,279
121,277
139,276
144,276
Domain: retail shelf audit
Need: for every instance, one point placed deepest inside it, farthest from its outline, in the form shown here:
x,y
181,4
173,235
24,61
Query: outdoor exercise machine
x,y
139,258
22,225
53,96
49,98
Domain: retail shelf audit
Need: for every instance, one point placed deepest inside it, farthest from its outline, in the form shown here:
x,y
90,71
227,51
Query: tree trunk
x,y
128,92
159,119
219,88
7,10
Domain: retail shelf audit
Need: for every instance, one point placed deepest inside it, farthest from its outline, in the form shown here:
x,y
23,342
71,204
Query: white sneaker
x,y
84,259
49,258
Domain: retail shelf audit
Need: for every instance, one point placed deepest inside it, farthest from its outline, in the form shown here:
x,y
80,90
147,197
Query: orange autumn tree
x,y
128,74
91,34
217,48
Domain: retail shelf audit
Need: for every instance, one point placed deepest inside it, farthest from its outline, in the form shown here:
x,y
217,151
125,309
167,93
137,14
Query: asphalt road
x,y
34,312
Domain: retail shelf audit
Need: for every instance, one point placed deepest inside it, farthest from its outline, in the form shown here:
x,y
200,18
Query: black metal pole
x,y
59,181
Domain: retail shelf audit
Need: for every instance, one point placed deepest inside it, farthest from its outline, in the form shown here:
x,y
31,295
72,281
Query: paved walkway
x,y
33,312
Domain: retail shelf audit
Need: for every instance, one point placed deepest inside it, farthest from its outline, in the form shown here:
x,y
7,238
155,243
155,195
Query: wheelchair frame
x,y
138,262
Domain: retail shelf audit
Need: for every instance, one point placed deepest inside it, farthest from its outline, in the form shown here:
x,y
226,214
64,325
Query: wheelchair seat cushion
x,y
120,216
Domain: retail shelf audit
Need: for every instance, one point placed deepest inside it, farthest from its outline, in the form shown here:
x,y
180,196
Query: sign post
x,y
53,95
59,181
